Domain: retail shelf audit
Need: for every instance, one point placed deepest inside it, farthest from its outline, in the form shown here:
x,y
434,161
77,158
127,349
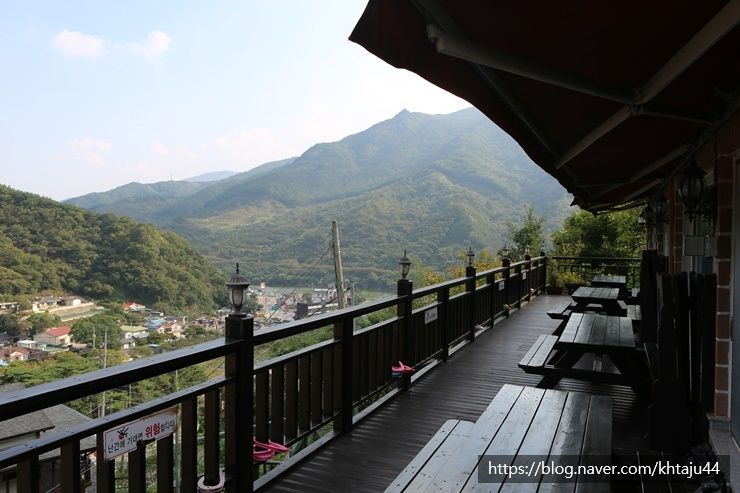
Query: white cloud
x,y
156,44
74,44
88,150
160,149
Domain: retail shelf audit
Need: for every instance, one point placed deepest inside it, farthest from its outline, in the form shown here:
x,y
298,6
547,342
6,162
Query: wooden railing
x,y
587,267
302,399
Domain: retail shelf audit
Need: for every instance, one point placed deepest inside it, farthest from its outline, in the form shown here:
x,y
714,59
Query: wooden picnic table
x,y
607,298
604,281
555,357
520,425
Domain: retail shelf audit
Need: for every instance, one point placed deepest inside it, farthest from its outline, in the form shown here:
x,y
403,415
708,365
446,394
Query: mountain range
x,y
46,246
432,184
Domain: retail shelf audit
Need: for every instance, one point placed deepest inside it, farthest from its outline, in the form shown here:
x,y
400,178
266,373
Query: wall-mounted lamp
x,y
691,189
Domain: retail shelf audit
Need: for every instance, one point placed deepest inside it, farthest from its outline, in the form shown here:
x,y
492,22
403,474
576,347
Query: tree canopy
x,y
527,234
97,327
47,246
615,234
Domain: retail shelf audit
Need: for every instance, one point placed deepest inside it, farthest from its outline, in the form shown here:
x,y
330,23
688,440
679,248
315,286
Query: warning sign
x,y
126,437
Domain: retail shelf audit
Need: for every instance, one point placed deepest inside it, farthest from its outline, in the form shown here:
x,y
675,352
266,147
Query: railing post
x,y
528,270
506,264
492,286
403,311
470,288
443,298
543,266
347,337
239,402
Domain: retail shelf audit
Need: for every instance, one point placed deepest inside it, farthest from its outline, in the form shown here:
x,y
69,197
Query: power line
x,y
305,276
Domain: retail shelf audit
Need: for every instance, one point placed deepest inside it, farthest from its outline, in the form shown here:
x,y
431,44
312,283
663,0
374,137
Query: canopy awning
x,y
610,98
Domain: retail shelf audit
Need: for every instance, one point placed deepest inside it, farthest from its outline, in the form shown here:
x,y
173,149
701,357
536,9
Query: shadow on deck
x,y
376,450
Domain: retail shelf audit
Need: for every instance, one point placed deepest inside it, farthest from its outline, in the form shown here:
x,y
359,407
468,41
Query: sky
x,y
97,94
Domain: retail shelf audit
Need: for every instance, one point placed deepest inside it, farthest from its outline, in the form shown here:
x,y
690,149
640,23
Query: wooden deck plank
x,y
410,471
585,329
447,451
626,335
510,434
612,332
456,472
571,329
540,437
369,457
598,333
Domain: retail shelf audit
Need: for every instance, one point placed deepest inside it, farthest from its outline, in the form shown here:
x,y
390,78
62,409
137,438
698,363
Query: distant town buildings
x,y
55,336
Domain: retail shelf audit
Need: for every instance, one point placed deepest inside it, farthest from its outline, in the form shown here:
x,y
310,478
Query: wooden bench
x,y
536,358
561,311
447,439
520,422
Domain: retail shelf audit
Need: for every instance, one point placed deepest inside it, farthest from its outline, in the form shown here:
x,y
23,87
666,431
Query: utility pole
x,y
105,361
341,300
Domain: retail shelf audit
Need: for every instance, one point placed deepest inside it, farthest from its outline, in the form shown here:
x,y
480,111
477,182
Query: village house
x,y
72,301
14,353
9,306
55,336
40,304
134,331
132,306
172,328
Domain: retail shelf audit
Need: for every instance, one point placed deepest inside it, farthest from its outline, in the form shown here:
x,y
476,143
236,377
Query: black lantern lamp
x,y
642,218
237,286
505,252
660,211
405,264
470,255
527,251
691,189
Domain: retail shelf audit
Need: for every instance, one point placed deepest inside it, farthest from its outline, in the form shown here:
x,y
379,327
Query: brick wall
x,y
720,155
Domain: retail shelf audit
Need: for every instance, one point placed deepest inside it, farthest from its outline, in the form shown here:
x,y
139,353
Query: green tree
x,y
155,338
615,234
528,234
9,323
96,327
43,320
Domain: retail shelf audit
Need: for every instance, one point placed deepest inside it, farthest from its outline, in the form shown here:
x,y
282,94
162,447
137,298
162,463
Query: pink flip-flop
x,y
401,368
270,445
262,454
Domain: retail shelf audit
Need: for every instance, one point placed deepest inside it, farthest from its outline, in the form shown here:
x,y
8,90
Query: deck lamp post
x,y
506,274
470,274
237,287
470,256
527,251
238,398
405,264
691,189
404,289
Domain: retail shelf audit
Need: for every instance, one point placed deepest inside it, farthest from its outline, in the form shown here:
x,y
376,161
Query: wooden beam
x,y
471,51
433,9
713,31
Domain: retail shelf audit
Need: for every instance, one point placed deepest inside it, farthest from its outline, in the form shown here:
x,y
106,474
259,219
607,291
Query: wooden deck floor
x,y
372,455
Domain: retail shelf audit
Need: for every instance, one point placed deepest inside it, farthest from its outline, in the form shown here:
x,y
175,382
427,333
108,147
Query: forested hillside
x,y
433,184
48,246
